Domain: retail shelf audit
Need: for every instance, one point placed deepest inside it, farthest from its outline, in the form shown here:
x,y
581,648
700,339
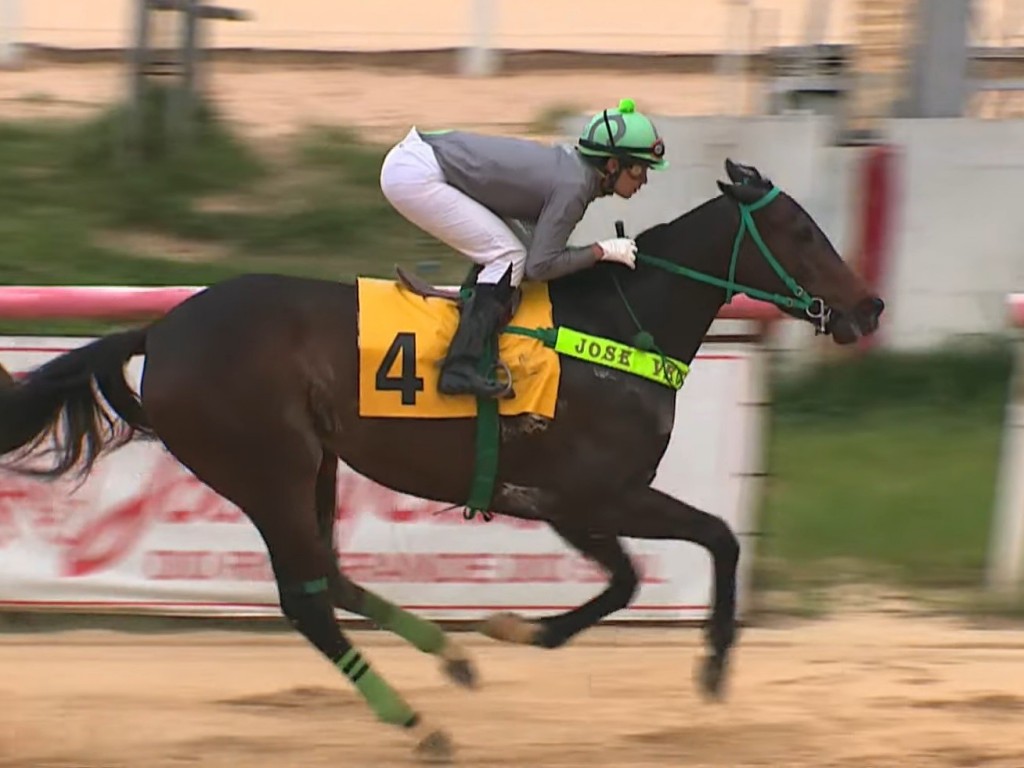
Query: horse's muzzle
x,y
847,327
866,315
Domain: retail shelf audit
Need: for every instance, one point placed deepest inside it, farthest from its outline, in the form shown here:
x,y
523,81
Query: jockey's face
x,y
632,178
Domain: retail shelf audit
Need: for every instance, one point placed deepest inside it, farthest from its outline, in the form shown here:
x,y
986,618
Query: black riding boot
x,y
479,320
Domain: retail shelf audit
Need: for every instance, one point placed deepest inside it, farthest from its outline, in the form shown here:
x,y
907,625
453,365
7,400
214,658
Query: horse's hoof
x,y
510,628
435,748
458,666
712,675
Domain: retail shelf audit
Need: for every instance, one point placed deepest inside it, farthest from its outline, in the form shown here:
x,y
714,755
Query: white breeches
x,y
413,183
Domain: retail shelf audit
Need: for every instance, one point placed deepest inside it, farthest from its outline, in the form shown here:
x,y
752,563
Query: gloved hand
x,y
620,249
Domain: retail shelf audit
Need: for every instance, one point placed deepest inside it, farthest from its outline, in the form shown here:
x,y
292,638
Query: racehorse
x,y
252,384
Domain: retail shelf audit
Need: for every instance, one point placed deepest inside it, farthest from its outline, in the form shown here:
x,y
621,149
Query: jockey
x,y
468,190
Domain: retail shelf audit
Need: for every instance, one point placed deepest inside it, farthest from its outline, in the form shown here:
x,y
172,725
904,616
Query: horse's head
x,y
781,250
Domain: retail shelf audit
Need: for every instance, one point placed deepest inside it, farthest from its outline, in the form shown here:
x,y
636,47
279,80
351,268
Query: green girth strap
x,y
487,427
654,366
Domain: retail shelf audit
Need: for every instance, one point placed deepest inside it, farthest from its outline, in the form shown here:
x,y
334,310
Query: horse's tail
x,y
58,400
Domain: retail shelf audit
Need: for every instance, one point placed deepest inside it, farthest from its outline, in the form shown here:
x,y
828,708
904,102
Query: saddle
x,y
416,284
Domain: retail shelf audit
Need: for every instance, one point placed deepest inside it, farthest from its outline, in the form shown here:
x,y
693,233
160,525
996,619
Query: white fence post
x,y
479,59
10,34
1006,547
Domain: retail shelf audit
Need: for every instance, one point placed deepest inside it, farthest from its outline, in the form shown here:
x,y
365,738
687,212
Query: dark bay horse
x,y
253,385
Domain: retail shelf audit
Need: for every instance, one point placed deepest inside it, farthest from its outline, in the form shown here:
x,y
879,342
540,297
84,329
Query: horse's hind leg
x,y
269,470
555,631
422,633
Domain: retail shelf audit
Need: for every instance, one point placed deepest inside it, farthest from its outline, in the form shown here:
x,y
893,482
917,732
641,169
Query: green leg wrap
x,y
423,634
382,698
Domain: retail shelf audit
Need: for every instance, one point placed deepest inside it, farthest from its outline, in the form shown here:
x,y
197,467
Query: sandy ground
x,y
657,25
266,101
274,100
864,689
663,25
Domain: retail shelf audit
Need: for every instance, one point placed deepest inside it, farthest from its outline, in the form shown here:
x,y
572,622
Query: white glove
x,y
620,249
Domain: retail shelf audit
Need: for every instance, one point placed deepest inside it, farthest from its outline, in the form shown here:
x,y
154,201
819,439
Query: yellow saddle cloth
x,y
404,336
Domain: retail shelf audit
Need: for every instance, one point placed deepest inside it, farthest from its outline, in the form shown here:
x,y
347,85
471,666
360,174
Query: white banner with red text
x,y
142,535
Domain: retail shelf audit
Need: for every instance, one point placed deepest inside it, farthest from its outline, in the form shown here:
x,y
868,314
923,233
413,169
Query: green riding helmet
x,y
626,133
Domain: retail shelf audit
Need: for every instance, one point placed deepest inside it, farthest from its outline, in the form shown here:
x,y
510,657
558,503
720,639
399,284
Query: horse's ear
x,y
743,174
741,193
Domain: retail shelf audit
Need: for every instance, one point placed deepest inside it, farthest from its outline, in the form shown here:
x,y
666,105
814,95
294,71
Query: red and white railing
x,y
112,302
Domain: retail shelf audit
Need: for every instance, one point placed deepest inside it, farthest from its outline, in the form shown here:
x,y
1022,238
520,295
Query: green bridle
x,y
800,298
816,309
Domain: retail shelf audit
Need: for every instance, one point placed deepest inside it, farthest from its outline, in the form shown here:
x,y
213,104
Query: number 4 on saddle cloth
x,y
404,331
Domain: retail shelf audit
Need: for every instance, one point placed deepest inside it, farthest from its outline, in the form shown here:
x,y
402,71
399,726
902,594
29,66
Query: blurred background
x,y
172,143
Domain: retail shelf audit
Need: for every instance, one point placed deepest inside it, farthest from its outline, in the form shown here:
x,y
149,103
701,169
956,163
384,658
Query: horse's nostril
x,y
868,315
869,309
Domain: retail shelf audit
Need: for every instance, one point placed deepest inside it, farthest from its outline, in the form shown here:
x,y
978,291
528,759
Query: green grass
x,y
940,381
907,496
885,469
311,206
80,204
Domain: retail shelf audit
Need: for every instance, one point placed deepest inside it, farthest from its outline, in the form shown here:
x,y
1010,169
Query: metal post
x,y
169,45
940,60
134,125
479,58
190,54
184,98
815,27
10,34
731,64
816,22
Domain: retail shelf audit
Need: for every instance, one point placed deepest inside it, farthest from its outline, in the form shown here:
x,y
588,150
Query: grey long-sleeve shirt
x,y
547,188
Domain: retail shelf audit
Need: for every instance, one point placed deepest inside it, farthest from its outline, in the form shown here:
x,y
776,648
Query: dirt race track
x,y
862,690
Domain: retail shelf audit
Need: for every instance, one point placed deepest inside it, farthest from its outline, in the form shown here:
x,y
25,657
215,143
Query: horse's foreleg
x,y
554,631
651,514
422,633
642,514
